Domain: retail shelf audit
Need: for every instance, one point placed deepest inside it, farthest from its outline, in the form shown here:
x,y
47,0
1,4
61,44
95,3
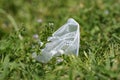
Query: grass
x,y
99,55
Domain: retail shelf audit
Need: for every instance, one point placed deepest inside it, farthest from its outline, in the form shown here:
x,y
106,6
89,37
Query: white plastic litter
x,y
64,41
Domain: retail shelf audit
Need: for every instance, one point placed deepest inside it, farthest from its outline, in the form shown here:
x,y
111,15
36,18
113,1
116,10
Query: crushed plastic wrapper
x,y
64,41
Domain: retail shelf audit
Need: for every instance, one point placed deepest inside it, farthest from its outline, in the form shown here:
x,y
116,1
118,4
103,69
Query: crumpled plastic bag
x,y
64,41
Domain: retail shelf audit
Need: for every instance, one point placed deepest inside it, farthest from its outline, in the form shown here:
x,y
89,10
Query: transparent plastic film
x,y
63,41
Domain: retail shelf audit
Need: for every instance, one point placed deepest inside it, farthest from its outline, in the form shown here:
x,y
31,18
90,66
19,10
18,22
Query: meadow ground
x,y
99,54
